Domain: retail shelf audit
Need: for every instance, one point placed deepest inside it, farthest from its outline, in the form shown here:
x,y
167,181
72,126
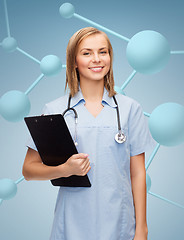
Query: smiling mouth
x,y
96,69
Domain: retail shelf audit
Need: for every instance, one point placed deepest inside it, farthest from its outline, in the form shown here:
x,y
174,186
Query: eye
x,y
103,52
86,53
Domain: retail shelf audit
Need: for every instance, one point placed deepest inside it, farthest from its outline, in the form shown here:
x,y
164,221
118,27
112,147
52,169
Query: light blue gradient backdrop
x,y
40,31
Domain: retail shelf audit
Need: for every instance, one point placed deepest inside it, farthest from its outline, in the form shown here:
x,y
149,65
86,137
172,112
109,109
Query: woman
x,y
114,207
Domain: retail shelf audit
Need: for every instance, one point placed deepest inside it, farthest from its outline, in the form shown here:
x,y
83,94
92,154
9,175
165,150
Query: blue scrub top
x,y
106,210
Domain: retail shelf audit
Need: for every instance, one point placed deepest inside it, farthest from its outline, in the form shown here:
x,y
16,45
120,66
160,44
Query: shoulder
x,y
57,106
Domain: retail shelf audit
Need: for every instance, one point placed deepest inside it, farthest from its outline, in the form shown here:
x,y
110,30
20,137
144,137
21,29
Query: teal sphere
x,y
166,124
119,90
8,189
9,44
50,65
148,182
148,52
67,10
14,106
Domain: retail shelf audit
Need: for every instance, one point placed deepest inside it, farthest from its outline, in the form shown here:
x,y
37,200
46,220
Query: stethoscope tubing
x,y
119,137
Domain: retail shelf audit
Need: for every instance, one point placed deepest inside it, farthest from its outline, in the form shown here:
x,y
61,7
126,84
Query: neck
x,y
92,90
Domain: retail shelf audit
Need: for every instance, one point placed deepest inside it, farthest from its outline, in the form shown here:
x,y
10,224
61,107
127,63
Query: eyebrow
x,y
89,49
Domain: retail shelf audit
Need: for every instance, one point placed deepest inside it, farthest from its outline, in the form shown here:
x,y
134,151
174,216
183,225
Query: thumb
x,y
81,155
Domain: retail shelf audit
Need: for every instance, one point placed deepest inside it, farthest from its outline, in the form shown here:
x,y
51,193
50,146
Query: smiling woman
x,y
114,207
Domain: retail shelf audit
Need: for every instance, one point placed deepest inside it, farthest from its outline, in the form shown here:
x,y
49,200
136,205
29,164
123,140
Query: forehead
x,y
94,41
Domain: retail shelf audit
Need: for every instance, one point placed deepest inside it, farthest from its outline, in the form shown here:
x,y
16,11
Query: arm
x,y
34,169
138,179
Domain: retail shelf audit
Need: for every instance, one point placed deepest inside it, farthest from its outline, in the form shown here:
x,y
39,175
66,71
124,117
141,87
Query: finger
x,y
87,170
86,166
83,161
80,155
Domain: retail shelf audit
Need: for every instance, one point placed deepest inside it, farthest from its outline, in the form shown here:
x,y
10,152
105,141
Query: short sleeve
x,y
30,142
140,138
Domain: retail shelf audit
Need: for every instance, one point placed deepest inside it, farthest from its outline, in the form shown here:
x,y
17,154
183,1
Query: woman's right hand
x,y
34,169
77,164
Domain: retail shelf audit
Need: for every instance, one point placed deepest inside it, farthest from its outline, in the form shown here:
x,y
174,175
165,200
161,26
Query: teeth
x,y
97,68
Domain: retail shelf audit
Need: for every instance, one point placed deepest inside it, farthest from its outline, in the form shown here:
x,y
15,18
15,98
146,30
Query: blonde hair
x,y
72,74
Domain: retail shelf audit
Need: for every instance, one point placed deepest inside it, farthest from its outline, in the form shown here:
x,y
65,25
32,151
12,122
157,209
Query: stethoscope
x,y
119,137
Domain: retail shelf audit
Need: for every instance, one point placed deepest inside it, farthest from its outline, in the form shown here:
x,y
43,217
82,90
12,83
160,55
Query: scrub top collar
x,y
78,98
108,100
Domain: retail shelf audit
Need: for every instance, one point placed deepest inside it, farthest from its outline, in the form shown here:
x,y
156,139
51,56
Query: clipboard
x,y
55,145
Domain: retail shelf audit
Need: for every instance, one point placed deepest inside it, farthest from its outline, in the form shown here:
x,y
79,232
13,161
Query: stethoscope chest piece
x,y
120,137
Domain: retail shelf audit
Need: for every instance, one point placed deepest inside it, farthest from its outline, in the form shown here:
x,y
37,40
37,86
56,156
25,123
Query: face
x,y
93,59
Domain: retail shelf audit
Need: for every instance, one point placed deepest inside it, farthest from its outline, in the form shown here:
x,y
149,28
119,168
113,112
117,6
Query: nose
x,y
96,57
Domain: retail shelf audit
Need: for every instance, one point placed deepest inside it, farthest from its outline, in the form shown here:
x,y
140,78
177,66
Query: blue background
x,y
40,30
